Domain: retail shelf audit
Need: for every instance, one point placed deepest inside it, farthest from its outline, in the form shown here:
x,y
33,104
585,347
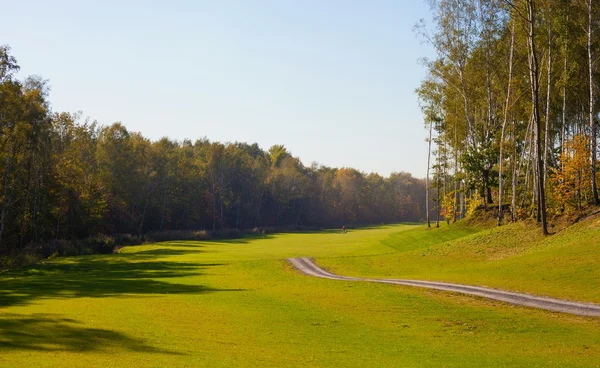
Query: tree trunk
x,y
455,205
563,136
437,207
595,199
533,75
547,140
527,151
505,120
515,176
427,177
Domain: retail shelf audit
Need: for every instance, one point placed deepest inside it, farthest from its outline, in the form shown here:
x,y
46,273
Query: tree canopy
x,y
65,177
512,98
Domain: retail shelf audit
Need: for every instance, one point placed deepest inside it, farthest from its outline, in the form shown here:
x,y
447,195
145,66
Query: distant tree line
x,y
64,178
511,104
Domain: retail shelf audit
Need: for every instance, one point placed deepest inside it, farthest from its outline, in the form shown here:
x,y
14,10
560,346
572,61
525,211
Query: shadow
x,y
50,333
100,276
166,252
202,243
180,243
250,237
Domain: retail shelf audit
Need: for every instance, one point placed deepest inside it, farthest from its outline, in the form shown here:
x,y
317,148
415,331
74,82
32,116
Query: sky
x,y
331,80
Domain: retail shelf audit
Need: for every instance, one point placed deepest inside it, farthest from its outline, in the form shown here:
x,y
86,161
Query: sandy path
x,y
308,267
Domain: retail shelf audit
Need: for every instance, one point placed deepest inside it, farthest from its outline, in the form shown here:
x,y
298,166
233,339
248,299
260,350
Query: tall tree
x,y
592,126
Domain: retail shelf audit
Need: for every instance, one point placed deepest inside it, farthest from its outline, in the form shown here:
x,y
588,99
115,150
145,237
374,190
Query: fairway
x,y
239,303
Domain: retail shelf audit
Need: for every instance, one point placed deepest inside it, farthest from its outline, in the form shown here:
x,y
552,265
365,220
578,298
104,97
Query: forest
x,y
510,104
65,177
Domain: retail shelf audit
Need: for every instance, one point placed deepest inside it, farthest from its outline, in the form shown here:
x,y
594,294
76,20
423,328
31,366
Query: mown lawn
x,y
513,257
238,303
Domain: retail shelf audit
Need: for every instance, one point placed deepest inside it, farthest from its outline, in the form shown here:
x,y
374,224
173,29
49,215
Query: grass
x,y
513,257
238,303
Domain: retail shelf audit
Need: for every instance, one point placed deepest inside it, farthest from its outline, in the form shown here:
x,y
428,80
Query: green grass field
x,y
238,303
514,257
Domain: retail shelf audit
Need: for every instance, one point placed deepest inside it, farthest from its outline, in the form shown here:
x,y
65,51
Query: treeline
x,y
63,178
510,102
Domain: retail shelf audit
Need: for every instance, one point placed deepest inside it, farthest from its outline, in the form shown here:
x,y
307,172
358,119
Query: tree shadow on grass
x,y
51,333
98,277
167,252
179,244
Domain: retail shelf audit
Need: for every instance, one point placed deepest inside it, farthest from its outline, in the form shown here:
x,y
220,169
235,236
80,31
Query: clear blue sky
x,y
332,80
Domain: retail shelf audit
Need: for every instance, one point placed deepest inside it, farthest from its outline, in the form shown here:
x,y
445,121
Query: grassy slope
x,y
236,303
514,257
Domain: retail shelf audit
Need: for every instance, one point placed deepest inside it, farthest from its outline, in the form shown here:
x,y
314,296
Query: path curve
x,y
308,267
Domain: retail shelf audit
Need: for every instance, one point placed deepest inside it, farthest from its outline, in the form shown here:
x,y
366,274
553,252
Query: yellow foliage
x,y
473,204
448,206
569,184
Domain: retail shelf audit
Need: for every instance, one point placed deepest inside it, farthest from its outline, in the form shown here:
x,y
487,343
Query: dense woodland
x,y
63,177
511,105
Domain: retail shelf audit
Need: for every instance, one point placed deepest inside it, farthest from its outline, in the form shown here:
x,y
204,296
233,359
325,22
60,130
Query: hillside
x,y
514,257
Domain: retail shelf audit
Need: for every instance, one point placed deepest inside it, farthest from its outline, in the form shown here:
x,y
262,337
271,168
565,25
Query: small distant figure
x,y
344,229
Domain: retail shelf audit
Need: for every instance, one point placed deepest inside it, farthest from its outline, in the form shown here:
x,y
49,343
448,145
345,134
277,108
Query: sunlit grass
x,y
514,257
238,303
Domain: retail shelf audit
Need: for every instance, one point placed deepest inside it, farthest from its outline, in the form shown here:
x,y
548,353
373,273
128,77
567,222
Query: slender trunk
x,y
533,74
515,176
563,136
427,177
547,140
462,199
595,198
528,149
437,207
506,106
467,109
455,205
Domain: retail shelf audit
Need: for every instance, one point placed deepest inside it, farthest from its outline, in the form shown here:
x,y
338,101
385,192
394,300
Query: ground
x,y
239,303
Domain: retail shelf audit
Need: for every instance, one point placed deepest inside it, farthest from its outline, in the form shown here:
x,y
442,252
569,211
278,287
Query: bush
x,y
100,244
17,260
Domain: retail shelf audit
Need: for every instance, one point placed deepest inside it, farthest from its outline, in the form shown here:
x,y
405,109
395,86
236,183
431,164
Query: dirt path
x,y
308,267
